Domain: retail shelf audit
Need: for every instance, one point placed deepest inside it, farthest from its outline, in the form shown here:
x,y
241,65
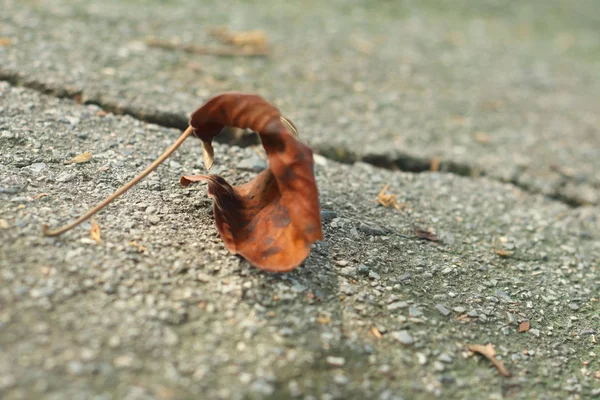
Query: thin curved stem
x,y
122,189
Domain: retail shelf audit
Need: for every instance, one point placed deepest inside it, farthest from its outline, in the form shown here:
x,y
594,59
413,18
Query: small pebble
x,y
403,337
374,275
363,269
442,309
397,305
445,357
438,366
535,332
414,312
336,361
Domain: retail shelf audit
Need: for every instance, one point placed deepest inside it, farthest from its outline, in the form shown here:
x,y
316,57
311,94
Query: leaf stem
x,y
122,189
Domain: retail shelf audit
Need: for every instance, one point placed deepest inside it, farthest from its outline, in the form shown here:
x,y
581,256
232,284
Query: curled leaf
x,y
273,219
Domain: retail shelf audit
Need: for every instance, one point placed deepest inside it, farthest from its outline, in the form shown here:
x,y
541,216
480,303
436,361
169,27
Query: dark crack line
x,y
402,162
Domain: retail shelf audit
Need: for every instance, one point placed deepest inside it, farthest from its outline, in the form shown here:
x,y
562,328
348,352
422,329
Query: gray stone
x,y
397,305
442,309
403,337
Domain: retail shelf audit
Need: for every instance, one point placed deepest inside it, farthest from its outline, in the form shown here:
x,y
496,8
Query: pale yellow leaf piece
x,y
95,231
82,158
489,352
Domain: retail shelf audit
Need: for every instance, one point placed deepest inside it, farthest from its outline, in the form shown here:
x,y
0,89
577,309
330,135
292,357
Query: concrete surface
x,y
160,310
507,90
181,318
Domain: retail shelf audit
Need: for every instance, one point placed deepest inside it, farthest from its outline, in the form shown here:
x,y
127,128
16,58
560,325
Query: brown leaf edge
x,y
272,220
489,352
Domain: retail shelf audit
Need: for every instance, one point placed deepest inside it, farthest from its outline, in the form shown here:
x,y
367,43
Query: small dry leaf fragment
x,y
224,51
39,196
463,318
435,164
255,38
4,224
428,234
137,246
376,332
489,352
5,41
524,326
503,253
82,158
362,45
323,319
95,231
387,200
482,138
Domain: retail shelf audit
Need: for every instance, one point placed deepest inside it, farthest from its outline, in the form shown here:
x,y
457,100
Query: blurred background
x,y
508,89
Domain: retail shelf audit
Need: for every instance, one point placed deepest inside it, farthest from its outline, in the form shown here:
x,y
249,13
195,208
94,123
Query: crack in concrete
x,y
243,138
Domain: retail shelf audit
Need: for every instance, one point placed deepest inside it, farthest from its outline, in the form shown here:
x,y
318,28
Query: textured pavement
x,y
509,91
160,310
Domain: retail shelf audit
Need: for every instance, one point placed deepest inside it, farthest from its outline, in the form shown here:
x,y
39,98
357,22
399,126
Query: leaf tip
x,y
208,154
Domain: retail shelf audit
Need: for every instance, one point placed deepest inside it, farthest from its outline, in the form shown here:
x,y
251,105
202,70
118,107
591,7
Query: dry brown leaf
x,y
82,158
387,200
489,352
4,41
524,326
503,253
323,319
272,220
435,164
95,231
39,196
